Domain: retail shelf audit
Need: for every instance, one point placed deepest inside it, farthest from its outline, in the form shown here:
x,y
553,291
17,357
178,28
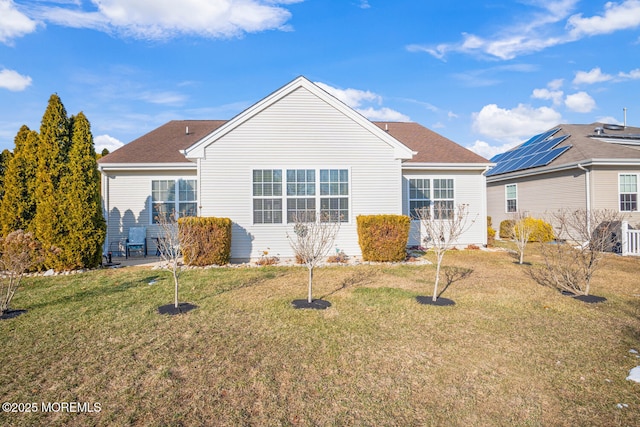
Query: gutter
x,y
448,166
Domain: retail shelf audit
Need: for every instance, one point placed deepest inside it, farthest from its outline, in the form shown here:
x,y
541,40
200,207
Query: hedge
x,y
205,240
383,238
506,229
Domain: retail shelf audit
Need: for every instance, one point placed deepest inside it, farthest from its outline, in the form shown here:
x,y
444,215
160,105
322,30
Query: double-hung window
x,y
177,197
431,198
628,190
307,194
511,197
301,195
419,198
443,198
267,196
334,195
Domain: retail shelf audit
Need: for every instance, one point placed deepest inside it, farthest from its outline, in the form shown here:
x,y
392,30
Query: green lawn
x,y
510,352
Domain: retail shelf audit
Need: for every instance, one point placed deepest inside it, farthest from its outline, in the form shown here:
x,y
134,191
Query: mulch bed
x,y
316,304
171,309
10,314
440,302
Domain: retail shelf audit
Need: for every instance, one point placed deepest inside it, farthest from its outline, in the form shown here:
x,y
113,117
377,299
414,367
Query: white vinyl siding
x,y
298,132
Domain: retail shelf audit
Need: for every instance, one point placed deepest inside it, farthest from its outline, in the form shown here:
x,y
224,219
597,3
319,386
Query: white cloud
x,y
163,98
591,77
105,141
632,75
13,23
554,95
580,102
555,84
616,17
541,29
488,151
512,125
609,119
14,81
355,99
162,19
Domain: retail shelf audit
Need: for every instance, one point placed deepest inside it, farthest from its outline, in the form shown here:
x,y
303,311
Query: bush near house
x,y
542,230
209,240
383,238
491,232
506,229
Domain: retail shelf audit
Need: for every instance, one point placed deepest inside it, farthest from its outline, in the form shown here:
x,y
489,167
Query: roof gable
x,y
197,150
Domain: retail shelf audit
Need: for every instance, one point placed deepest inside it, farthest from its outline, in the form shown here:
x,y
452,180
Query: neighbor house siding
x,y
300,131
605,186
469,188
127,199
539,195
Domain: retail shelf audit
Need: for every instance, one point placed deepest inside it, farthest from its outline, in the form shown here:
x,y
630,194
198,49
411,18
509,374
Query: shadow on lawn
x,y
96,292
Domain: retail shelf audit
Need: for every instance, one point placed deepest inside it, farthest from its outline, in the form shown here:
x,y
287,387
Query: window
x,y
628,193
171,196
309,192
443,198
301,184
419,197
511,197
267,196
432,197
334,195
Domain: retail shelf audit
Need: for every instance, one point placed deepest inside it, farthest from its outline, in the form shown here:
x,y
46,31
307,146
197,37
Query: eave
x,y
183,166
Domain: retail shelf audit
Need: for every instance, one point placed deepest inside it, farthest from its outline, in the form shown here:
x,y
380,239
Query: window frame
x,y
175,199
634,202
432,200
269,201
507,199
317,200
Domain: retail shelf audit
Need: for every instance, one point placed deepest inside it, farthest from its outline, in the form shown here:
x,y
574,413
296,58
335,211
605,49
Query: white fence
x,y
630,240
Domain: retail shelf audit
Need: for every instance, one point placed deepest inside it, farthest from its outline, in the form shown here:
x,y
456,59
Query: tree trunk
x,y
521,257
435,287
175,281
309,298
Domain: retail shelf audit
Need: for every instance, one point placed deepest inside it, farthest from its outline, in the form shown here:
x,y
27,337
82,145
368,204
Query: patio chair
x,y
137,241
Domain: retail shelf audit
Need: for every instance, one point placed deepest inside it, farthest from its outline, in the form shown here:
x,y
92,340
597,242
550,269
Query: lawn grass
x,y
510,352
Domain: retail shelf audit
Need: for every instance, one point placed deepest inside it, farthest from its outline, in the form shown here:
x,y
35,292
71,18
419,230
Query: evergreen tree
x,y
50,220
18,206
5,158
84,222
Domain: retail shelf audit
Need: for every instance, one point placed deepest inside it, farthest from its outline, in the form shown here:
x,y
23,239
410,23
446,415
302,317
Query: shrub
x,y
542,231
491,232
506,229
383,237
209,240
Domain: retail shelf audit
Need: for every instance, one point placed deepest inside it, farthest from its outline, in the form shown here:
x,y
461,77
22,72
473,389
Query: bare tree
x,y
170,245
20,253
312,239
588,234
442,230
523,229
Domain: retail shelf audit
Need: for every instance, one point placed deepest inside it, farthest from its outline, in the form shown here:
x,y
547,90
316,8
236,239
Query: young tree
x,y
18,206
522,232
589,234
53,146
312,239
19,253
442,231
85,225
170,243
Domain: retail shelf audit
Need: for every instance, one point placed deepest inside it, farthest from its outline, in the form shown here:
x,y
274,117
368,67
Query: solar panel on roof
x,y
539,150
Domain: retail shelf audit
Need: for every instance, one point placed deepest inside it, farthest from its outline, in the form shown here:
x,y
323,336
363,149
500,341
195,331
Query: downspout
x,y
485,204
587,177
105,208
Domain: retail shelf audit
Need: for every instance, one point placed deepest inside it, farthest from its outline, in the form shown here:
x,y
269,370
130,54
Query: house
x,y
595,166
298,150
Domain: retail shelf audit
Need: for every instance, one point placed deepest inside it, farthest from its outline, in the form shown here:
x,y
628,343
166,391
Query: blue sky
x,y
486,74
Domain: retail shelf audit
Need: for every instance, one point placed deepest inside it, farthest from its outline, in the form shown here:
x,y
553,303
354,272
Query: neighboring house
x,y
594,166
295,151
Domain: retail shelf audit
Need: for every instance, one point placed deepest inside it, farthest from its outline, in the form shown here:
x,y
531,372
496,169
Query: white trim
x,y
506,198
197,150
431,198
636,193
447,166
108,167
176,190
